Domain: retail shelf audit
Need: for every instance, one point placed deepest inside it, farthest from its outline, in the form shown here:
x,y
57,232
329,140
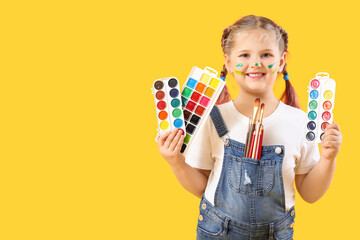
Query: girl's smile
x,y
255,75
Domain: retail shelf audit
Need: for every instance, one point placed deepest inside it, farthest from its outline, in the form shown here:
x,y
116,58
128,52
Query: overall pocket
x,y
285,234
250,176
209,224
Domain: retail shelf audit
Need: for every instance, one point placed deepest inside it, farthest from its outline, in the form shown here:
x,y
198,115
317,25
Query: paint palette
x,y
320,105
168,104
199,94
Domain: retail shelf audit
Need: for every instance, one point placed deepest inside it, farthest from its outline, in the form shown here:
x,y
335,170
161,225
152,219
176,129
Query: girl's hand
x,y
170,145
332,138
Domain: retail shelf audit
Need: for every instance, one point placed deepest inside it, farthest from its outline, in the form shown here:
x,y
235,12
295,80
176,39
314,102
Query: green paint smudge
x,y
239,65
238,72
271,65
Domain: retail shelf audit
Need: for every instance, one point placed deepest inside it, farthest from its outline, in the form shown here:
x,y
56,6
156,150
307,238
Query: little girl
x,y
245,198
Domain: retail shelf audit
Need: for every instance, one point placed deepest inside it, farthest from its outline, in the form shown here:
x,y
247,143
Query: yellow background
x,y
77,117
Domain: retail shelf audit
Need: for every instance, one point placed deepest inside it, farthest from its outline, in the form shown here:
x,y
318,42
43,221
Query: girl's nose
x,y
256,64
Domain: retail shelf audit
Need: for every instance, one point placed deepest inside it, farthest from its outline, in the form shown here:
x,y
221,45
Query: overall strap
x,y
218,121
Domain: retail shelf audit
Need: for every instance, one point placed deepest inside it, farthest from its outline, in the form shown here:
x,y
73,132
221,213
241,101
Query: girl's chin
x,y
256,84
256,87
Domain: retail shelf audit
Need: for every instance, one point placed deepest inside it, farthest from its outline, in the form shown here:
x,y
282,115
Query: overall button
x,y
292,213
227,142
292,225
203,206
201,217
278,150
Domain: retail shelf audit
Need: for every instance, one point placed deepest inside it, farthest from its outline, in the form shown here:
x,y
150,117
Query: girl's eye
x,y
267,55
244,55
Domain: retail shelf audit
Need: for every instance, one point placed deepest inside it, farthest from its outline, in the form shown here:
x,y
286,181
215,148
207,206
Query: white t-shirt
x,y
285,126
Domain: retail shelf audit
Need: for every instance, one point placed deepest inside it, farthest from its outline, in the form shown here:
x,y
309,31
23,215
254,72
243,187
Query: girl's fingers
x,y
175,140
170,138
330,138
179,144
333,125
162,138
330,144
331,132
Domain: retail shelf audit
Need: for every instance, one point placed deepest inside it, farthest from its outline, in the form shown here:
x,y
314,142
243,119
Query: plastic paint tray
x,y
321,100
199,94
168,104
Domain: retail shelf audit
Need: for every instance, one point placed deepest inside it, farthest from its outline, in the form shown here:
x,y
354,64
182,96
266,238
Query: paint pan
x,y
168,104
321,100
199,94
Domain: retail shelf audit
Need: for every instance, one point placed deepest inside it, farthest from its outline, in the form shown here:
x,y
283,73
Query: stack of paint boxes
x,y
198,96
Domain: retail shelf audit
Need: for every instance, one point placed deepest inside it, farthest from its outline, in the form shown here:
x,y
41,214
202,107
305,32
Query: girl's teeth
x,y
255,75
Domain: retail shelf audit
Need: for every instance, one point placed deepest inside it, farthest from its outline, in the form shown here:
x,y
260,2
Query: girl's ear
x,y
228,63
282,61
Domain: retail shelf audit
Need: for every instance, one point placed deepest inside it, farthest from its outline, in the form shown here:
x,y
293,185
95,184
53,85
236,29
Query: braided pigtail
x,y
289,95
225,94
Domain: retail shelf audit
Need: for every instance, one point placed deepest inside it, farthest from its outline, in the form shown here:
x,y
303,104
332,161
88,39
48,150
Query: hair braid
x,y
224,95
289,95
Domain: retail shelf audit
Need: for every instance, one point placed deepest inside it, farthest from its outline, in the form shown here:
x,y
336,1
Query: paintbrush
x,y
261,135
251,144
259,122
247,139
255,136
252,126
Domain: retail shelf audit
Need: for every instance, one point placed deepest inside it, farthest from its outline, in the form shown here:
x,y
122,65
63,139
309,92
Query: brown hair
x,y
253,22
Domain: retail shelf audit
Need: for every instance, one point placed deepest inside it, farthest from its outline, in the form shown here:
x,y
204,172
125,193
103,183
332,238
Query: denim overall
x,y
249,198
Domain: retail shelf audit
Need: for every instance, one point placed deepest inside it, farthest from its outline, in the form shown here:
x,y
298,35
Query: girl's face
x,y
255,60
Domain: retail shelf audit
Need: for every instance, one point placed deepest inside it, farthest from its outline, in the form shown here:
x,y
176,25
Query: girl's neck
x,y
244,103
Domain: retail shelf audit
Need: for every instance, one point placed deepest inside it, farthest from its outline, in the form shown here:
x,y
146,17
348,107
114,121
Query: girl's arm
x,y
313,185
192,179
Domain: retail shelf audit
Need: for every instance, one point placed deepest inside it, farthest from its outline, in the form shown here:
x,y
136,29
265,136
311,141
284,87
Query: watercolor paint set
x,y
199,95
321,100
168,104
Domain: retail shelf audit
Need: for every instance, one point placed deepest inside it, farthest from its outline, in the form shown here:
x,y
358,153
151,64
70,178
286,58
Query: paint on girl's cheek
x,y
238,72
239,65
271,65
275,70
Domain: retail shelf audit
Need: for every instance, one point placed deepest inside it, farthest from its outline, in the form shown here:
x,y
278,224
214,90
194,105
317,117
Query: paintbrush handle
x,y
247,139
254,151
261,135
246,144
250,141
251,145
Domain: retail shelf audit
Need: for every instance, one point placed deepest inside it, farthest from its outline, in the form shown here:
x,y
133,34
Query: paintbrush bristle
x,y
262,112
257,102
256,109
